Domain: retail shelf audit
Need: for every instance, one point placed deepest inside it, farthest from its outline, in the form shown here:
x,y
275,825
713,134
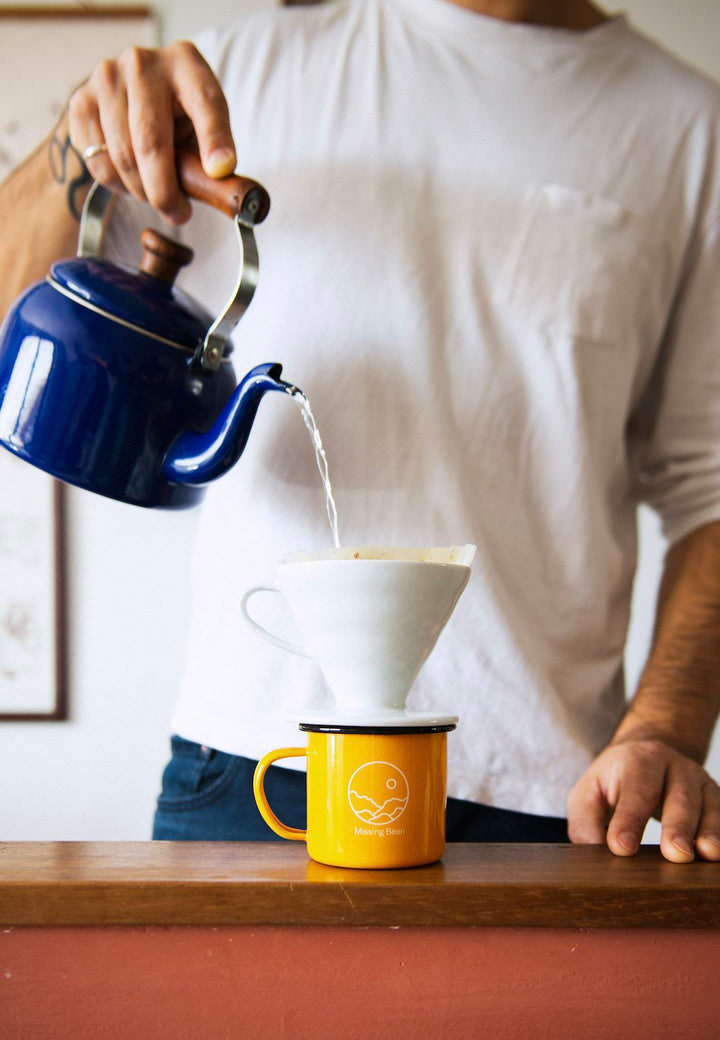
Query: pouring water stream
x,y
303,404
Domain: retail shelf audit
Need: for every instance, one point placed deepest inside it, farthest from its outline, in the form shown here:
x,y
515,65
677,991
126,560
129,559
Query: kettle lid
x,y
148,302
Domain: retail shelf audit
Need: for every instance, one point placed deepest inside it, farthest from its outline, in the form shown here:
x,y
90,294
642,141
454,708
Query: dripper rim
x,y
387,553
392,720
412,563
465,553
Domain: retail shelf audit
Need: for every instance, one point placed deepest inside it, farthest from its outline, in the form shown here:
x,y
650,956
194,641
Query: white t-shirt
x,y
492,263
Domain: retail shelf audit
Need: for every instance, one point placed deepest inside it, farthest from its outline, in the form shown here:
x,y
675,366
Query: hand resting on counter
x,y
633,780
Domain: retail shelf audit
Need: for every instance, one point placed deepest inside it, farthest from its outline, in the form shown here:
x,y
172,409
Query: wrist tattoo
x,y
58,154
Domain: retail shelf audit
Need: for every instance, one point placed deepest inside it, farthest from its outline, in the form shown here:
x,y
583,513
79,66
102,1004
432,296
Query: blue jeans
x,y
207,795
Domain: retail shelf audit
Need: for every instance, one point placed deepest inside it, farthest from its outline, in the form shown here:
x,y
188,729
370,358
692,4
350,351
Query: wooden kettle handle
x,y
234,195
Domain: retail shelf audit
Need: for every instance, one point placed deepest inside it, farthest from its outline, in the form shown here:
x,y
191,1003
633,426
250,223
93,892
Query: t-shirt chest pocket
x,y
581,265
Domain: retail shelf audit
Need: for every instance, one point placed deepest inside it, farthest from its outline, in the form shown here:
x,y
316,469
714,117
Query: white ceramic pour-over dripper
x,y
370,619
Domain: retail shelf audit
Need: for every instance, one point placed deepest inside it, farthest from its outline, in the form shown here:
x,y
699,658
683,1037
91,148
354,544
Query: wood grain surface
x,y
268,883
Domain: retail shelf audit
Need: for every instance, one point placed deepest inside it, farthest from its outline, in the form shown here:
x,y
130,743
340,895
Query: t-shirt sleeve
x,y
675,435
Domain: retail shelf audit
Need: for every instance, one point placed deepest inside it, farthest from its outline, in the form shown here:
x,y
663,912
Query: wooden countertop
x,y
268,883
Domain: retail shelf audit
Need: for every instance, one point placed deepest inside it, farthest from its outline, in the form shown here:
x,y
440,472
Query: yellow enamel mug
x,y
375,796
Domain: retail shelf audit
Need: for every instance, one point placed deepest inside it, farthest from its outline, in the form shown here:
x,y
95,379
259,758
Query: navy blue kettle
x,y
117,381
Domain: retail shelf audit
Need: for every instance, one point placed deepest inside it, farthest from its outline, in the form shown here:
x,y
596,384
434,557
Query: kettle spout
x,y
197,458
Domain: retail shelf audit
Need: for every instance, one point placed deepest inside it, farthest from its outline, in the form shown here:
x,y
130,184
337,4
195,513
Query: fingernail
x,y
711,838
628,841
683,845
220,163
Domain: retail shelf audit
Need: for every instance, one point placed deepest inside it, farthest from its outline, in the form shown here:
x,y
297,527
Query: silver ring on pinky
x,y
92,150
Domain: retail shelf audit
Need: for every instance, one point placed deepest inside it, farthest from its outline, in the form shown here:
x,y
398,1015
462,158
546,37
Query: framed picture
x,y
32,594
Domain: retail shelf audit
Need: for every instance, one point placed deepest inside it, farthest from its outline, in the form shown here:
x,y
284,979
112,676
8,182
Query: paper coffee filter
x,y
458,554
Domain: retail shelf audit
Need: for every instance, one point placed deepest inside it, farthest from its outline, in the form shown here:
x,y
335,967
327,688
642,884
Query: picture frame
x,y
33,684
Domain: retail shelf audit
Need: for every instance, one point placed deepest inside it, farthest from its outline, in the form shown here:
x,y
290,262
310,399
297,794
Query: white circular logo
x,y
378,792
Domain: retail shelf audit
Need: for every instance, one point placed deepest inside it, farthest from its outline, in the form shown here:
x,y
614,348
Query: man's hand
x,y
142,106
632,780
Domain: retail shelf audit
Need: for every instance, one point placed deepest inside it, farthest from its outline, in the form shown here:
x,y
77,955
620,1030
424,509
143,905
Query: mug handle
x,y
293,833
284,644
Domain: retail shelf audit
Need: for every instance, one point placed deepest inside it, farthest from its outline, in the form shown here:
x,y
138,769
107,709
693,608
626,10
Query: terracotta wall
x,y
341,984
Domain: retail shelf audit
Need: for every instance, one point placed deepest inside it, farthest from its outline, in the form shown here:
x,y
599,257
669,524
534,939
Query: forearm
x,y
40,206
678,696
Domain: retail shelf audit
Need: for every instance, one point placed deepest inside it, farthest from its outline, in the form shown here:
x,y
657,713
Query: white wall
x,y
96,775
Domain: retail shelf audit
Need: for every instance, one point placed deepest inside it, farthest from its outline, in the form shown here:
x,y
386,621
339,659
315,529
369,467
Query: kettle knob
x,y
162,257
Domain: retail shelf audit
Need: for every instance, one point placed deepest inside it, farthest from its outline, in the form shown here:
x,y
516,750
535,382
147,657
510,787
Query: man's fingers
x,y
202,99
707,842
632,779
85,129
639,793
681,811
133,106
587,812
112,104
150,118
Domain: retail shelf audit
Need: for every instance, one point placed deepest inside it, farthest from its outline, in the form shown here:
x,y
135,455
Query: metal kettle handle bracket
x,y
210,352
96,209
246,201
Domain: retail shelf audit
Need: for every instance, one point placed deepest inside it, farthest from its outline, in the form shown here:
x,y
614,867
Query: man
x,y
491,264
